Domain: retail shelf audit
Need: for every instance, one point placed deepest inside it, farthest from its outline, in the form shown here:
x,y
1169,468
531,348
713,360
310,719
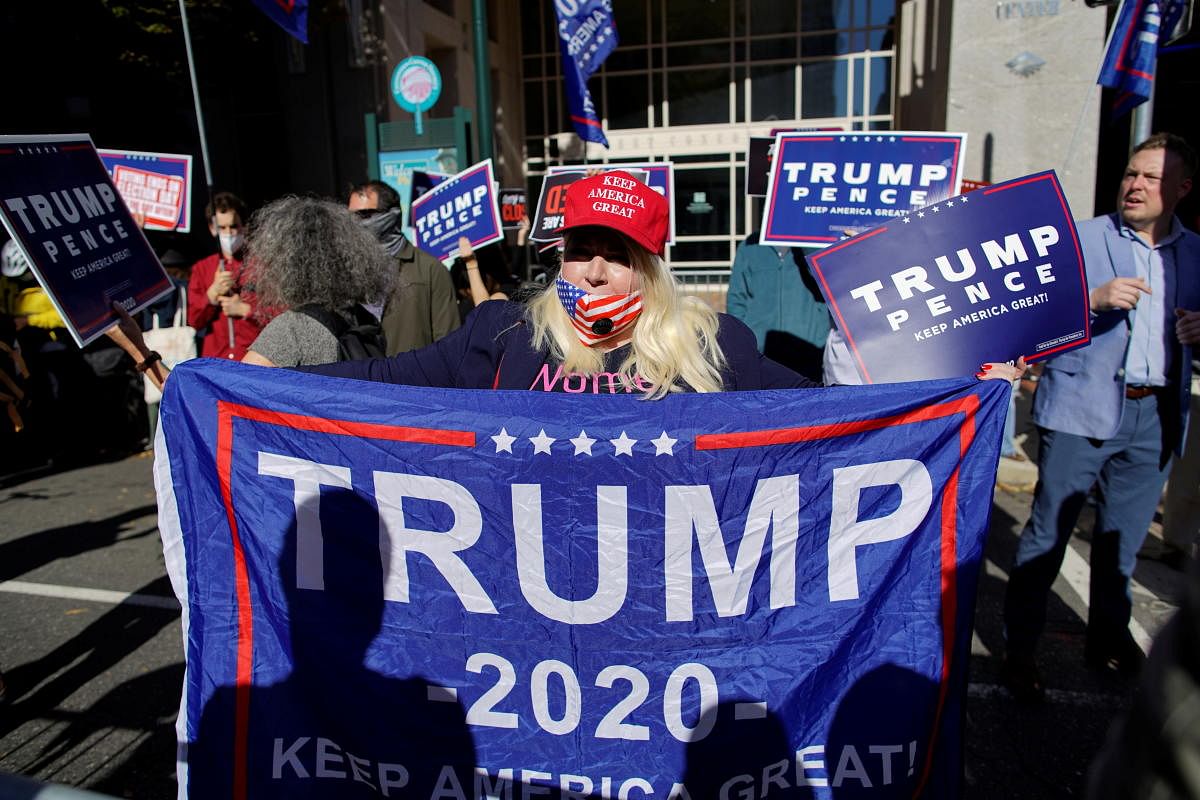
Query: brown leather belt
x,y
1138,392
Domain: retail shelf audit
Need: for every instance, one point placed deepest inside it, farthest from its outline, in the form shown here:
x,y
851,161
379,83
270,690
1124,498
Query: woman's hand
x,y
523,231
465,251
1000,371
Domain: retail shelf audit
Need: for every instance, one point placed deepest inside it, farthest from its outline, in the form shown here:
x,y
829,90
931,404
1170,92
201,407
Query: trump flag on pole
x,y
417,592
1132,53
587,33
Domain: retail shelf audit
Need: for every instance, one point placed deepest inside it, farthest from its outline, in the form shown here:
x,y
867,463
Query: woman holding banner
x,y
613,322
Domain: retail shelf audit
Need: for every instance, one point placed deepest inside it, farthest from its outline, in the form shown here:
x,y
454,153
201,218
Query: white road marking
x,y
90,595
1078,574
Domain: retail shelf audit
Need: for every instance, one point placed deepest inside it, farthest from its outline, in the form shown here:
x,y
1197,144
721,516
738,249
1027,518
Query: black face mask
x,y
385,226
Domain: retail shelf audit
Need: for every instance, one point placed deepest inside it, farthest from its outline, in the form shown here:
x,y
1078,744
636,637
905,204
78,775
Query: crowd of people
x,y
308,279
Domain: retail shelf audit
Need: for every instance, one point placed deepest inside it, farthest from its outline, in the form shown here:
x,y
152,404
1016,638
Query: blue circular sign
x,y
416,84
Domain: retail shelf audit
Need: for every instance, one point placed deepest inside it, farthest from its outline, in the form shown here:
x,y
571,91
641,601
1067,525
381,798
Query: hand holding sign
x,y
1121,293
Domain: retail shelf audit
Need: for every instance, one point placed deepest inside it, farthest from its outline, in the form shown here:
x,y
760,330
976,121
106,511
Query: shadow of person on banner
x,y
880,736
741,758
332,725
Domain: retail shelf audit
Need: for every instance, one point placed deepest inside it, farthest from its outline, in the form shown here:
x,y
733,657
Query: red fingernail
x,y
978,374
986,367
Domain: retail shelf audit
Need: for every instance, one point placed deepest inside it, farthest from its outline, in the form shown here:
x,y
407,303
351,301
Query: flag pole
x,y
187,42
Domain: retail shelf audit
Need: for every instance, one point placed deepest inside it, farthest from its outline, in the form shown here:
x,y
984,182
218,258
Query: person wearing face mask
x,y
221,302
423,306
614,321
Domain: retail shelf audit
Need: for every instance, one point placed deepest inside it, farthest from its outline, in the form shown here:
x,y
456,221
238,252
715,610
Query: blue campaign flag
x,y
1132,50
416,592
156,185
59,204
587,33
464,205
825,186
985,277
291,15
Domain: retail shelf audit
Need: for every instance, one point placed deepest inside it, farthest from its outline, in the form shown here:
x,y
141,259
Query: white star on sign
x,y
541,442
949,203
936,209
906,220
962,199
623,444
663,445
503,441
583,443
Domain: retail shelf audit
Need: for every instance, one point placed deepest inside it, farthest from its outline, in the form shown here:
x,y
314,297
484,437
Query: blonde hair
x,y
674,339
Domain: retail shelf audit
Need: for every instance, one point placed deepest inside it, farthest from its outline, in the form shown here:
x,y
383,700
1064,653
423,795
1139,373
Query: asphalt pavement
x,y
91,647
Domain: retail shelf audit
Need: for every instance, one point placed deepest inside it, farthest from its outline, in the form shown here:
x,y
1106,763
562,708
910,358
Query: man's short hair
x,y
388,197
1172,144
224,202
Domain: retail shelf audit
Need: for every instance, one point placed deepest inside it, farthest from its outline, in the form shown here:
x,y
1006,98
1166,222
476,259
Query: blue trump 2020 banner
x,y
464,205
587,33
825,186
989,276
409,592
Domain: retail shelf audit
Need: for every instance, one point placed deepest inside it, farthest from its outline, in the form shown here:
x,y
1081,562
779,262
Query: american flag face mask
x,y
597,317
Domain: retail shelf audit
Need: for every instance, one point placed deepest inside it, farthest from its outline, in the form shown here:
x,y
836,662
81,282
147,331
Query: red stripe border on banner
x,y
226,414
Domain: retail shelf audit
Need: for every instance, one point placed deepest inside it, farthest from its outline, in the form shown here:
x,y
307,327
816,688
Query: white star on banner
x,y
936,209
583,444
841,138
663,445
503,441
541,442
891,138
962,199
949,203
623,444
906,220
921,214
879,138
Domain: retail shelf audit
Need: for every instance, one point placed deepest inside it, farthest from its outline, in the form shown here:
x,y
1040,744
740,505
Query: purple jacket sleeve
x,y
464,359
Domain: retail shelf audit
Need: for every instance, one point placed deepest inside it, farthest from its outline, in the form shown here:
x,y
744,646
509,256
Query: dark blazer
x,y
1083,391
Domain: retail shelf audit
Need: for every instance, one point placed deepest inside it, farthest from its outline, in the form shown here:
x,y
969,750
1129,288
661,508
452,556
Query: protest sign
x,y
464,205
548,219
420,183
60,205
512,208
758,158
988,276
824,186
158,185
443,593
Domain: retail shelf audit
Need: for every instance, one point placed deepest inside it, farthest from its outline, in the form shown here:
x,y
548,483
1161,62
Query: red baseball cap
x,y
619,201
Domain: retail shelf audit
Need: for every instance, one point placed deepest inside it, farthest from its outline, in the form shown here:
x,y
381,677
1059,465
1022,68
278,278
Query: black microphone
x,y
602,326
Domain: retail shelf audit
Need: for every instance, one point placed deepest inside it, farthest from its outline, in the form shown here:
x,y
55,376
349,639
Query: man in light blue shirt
x,y
1111,414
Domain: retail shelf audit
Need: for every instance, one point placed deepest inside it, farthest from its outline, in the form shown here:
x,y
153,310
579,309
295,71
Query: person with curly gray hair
x,y
314,259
